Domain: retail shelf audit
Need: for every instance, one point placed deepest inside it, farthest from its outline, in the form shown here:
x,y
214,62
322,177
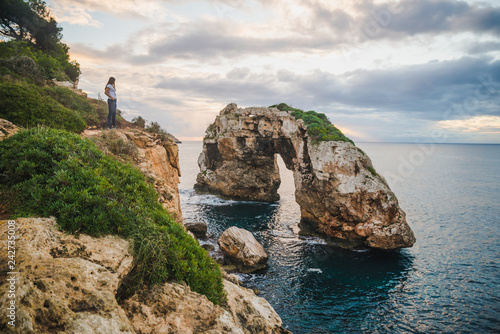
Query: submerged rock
x,y
208,247
341,196
242,250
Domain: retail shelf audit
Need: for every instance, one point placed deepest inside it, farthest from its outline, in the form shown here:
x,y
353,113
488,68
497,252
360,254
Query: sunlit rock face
x,y
241,249
341,196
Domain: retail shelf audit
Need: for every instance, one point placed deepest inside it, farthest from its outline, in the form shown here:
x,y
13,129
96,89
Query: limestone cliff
x,y
341,196
67,284
157,158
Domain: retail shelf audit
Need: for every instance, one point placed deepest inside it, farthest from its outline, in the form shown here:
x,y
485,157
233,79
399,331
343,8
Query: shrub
x,y
23,66
318,126
25,106
109,141
54,64
73,101
155,128
53,172
139,122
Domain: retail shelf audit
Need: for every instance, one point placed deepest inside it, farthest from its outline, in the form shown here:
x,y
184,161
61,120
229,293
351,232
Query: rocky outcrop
x,y
7,129
157,158
341,196
174,308
67,284
242,250
64,284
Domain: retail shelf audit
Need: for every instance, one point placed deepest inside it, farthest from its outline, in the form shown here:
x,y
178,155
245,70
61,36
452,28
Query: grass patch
x,y
111,143
372,171
29,105
56,173
319,128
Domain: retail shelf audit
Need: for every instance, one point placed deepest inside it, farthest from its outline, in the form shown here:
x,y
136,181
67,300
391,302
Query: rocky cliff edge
x,y
68,284
156,157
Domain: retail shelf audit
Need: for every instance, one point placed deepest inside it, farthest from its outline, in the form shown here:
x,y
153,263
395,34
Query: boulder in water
x,y
241,249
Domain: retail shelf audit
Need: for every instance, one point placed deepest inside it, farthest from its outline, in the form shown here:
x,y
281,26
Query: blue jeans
x,y
111,113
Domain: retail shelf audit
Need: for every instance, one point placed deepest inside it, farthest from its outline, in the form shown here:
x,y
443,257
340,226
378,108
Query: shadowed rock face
x,y
341,196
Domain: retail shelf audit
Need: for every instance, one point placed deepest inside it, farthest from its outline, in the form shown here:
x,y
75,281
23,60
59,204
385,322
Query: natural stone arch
x,y
340,195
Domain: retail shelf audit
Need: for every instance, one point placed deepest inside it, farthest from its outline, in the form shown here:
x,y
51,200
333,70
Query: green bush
x,y
139,122
111,142
69,99
93,112
319,128
54,64
24,105
56,173
27,104
22,67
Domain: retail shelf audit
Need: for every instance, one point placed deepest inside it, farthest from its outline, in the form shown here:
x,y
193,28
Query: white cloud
x,y
187,59
82,12
482,124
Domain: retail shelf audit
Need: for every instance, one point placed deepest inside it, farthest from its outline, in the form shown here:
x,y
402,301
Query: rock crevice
x,y
341,196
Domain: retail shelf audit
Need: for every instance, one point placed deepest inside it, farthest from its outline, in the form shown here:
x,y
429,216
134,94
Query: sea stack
x,y
341,196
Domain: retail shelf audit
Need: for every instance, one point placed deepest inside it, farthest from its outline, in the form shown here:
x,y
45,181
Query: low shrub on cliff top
x,y
56,173
30,105
319,128
27,106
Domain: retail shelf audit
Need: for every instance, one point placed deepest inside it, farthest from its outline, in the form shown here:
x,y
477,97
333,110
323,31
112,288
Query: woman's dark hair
x,y
111,81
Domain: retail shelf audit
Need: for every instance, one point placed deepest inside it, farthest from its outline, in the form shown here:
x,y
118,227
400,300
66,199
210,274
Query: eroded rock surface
x,y
67,284
64,284
174,308
242,250
341,196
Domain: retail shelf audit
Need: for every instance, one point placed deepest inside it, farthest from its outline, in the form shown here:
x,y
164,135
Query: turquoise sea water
x,y
448,282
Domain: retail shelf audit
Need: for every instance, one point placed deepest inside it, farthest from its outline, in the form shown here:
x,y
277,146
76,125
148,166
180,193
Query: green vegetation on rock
x,y
372,170
34,34
29,105
111,143
56,173
319,128
23,60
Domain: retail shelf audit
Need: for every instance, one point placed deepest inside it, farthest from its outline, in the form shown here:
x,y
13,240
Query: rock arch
x,y
340,195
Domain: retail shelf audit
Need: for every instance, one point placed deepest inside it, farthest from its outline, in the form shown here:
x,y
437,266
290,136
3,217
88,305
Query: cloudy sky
x,y
407,71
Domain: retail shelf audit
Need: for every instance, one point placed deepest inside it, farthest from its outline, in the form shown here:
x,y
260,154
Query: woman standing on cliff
x,y
110,91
